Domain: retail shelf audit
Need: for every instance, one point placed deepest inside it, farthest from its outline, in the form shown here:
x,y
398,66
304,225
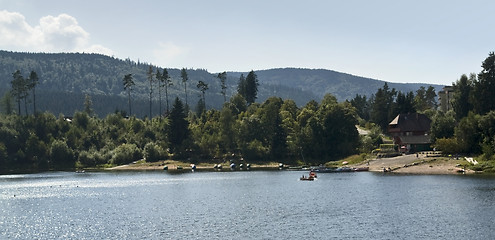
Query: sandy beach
x,y
416,164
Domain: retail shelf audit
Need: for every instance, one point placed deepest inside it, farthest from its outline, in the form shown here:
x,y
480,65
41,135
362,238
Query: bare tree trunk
x,y
34,102
129,100
166,97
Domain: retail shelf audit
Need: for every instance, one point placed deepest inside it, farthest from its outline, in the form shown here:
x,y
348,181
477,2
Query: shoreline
x,y
406,164
178,165
418,164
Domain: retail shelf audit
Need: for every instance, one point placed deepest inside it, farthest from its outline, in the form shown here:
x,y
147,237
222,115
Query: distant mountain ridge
x,y
322,81
66,77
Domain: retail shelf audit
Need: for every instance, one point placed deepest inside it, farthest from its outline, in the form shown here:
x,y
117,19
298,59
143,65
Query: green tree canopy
x,y
463,90
128,84
442,125
381,107
19,88
33,80
361,104
179,126
251,87
185,78
484,88
223,85
404,103
150,80
6,104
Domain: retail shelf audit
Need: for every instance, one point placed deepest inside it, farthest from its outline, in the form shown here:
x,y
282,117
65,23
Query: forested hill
x,y
65,78
321,81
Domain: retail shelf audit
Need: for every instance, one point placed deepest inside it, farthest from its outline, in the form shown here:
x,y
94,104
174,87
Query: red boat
x,y
304,178
311,177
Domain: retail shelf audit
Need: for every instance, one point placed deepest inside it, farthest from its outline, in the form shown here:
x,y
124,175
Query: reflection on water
x,y
253,205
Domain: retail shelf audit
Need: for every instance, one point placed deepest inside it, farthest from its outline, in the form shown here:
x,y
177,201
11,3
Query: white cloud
x,y
53,34
62,33
168,53
14,31
96,48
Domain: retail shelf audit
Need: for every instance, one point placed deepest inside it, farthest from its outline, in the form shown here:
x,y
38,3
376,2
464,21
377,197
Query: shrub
x,y
126,153
153,152
86,159
61,154
3,154
81,119
102,157
255,151
447,145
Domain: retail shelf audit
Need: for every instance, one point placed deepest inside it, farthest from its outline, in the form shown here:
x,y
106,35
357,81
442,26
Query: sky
x,y
421,41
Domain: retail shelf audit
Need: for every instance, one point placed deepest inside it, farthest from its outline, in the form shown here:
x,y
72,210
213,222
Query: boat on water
x,y
304,178
311,177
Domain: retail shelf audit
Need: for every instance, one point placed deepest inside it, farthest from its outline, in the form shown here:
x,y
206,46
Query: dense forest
x,y
272,130
470,126
275,130
66,78
321,82
467,128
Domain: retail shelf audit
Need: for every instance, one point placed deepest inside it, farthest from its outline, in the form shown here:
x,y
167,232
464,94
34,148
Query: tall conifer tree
x,y
33,81
185,78
150,79
223,85
128,83
251,87
179,126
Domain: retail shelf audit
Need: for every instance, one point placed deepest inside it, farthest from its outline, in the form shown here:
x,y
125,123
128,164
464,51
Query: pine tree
x,y
88,105
251,87
431,96
18,88
485,86
159,79
150,79
166,83
33,81
185,78
381,108
202,87
463,88
179,126
241,86
128,83
223,78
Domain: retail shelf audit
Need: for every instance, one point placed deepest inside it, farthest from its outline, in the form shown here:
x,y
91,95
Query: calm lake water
x,y
245,205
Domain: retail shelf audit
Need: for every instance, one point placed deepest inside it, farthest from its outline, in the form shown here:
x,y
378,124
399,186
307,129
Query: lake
x,y
245,205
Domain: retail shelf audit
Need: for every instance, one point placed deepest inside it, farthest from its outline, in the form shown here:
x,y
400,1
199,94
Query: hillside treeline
x,y
470,126
467,128
275,130
64,77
